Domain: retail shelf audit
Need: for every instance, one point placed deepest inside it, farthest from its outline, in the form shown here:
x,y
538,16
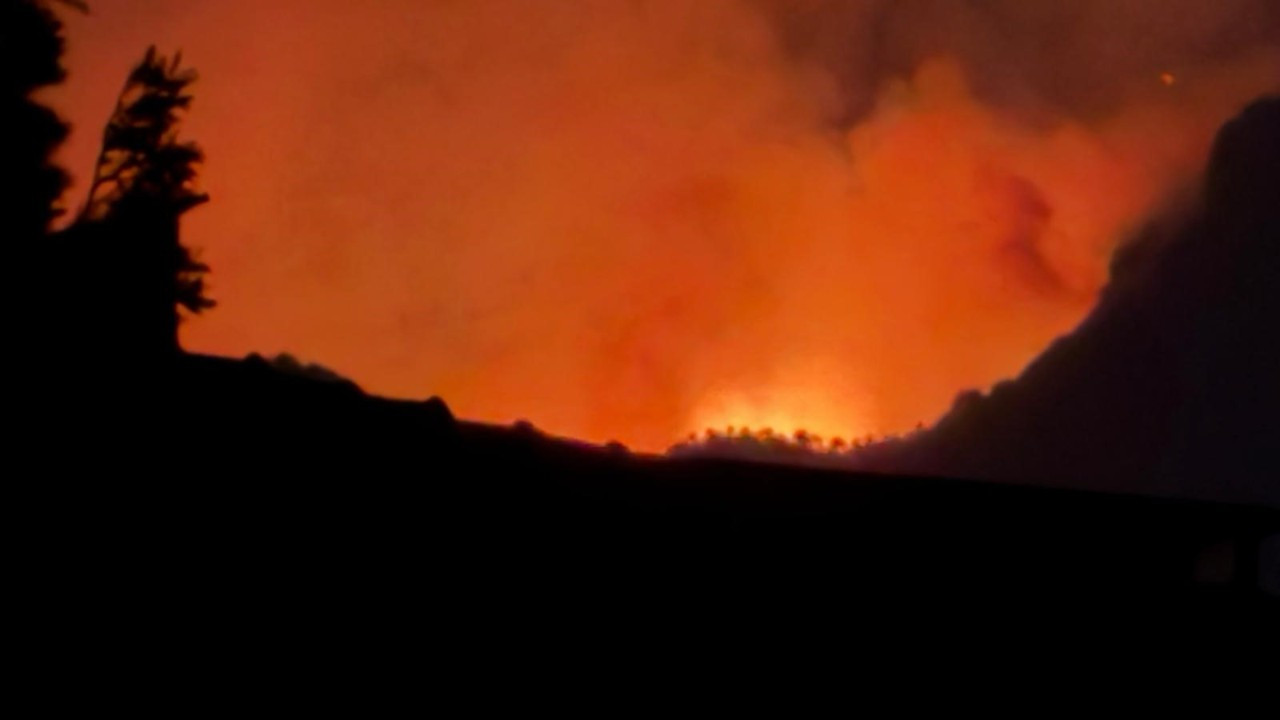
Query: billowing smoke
x,y
632,219
1085,60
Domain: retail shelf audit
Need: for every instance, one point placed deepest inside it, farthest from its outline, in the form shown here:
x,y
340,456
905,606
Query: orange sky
x,y
630,220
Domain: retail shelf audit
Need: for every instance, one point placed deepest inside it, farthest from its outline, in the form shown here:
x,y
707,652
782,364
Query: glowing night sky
x,y
629,220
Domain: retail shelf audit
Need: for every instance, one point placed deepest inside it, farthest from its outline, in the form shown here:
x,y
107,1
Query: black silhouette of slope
x,y
1172,385
284,477
292,527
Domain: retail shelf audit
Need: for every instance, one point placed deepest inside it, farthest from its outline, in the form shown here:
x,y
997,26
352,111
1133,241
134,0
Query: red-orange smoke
x,y
635,219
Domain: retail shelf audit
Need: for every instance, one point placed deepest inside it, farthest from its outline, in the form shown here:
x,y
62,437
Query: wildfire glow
x,y
800,399
630,221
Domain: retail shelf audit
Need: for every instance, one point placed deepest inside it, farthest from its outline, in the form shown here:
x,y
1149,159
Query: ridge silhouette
x,y
1170,386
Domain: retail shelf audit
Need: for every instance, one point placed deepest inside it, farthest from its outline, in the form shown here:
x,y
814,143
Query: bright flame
x,y
801,399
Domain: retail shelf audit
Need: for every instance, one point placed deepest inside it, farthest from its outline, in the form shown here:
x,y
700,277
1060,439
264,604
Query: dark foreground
x,y
280,477
300,537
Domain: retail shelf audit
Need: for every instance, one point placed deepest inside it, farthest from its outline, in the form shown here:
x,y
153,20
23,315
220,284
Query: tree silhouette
x,y
31,48
144,170
118,276
127,233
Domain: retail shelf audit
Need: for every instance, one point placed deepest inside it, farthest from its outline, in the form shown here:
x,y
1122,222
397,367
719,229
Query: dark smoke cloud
x,y
1084,59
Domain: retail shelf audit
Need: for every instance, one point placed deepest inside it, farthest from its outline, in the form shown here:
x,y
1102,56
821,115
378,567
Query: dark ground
x,y
279,474
288,537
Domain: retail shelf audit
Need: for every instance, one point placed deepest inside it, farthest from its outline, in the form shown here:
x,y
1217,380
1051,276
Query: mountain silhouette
x,y
1171,386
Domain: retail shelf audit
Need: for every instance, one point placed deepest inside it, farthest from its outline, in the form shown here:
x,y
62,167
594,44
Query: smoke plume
x,y
631,219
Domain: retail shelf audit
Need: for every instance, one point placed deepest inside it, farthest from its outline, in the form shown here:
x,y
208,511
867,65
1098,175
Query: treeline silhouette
x,y
800,446
106,286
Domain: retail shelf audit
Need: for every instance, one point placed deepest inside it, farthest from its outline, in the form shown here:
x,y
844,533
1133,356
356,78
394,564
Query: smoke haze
x,y
630,220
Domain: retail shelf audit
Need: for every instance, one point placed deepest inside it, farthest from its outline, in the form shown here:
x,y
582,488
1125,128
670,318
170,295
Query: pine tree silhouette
x,y
143,183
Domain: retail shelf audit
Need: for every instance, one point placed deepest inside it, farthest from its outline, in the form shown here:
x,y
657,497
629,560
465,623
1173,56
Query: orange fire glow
x,y
634,220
